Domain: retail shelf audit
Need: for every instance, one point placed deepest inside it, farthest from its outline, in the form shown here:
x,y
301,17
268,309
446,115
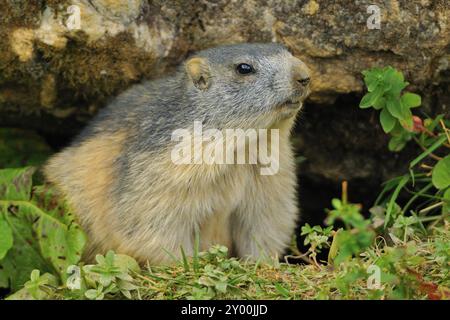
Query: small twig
x,y
344,192
424,166
435,222
432,134
315,262
428,132
302,257
433,206
445,131
431,218
431,155
298,255
149,280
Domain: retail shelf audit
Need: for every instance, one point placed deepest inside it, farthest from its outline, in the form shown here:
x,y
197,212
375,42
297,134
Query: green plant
x,y
317,237
397,226
111,277
38,230
429,173
355,237
385,88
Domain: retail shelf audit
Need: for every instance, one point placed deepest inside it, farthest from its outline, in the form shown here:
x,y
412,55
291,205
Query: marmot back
x,y
128,193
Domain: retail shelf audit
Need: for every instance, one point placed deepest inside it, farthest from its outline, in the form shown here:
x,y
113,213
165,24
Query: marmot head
x,y
247,85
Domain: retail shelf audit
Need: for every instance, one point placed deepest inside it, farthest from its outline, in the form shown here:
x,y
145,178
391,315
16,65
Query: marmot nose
x,y
300,75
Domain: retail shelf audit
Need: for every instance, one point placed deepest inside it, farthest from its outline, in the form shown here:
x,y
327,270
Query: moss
x,y
19,81
85,73
21,13
97,70
26,13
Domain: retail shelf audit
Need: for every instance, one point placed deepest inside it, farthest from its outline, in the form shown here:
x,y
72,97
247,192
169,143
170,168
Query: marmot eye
x,y
244,68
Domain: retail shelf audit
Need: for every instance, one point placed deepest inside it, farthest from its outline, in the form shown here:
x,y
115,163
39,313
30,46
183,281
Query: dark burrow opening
x,y
337,143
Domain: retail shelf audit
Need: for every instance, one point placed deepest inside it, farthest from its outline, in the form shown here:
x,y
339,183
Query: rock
x,y
332,37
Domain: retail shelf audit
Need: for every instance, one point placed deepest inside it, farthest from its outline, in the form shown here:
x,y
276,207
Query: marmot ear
x,y
198,70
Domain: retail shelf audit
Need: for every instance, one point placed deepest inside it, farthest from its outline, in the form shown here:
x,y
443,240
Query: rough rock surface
x,y
56,70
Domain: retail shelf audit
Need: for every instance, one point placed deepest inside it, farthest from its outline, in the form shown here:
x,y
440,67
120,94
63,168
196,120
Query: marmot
x,y
128,194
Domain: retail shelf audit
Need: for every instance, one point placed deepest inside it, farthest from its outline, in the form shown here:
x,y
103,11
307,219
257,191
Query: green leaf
x,y
34,289
282,290
93,294
441,173
371,98
446,206
15,184
306,229
395,108
387,120
35,274
126,293
23,256
411,100
126,285
221,287
45,235
407,122
372,78
380,103
391,205
126,263
336,203
333,248
60,244
395,80
373,85
206,281
351,243
6,238
366,101
397,143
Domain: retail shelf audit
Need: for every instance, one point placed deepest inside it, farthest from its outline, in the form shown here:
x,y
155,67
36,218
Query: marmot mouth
x,y
292,103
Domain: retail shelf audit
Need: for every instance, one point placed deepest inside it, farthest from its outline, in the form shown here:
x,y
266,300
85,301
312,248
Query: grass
x,y
222,278
417,269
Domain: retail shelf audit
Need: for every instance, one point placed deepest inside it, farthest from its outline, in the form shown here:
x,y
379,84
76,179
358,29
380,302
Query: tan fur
x,y
85,175
202,196
216,230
